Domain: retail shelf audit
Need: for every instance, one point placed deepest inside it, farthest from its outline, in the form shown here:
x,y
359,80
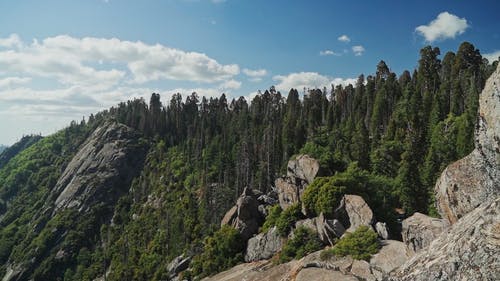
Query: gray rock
x,y
362,270
321,274
473,180
419,231
327,230
391,255
102,169
245,215
381,228
469,250
263,246
353,212
303,167
290,190
178,265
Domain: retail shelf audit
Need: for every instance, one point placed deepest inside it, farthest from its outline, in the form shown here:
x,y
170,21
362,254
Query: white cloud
x,y
255,73
344,38
358,50
302,80
493,56
12,41
445,26
13,81
230,85
328,53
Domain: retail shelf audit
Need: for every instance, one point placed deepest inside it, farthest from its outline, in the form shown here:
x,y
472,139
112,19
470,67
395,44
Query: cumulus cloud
x,y
492,56
445,26
255,75
230,85
328,53
301,80
12,41
344,38
358,50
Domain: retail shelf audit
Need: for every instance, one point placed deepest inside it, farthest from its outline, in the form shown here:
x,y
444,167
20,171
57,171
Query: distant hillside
x,y
7,153
2,147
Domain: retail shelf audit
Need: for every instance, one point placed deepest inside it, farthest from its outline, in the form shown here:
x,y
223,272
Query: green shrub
x,y
221,251
272,217
288,218
304,241
360,244
322,196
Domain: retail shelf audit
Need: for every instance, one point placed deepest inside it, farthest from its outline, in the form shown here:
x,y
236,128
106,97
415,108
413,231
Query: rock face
x,y
420,230
468,251
472,180
353,212
177,265
392,255
245,215
301,171
381,229
303,167
263,246
102,169
327,230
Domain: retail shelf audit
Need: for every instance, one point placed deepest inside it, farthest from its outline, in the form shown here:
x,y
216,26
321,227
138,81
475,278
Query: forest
x,y
387,138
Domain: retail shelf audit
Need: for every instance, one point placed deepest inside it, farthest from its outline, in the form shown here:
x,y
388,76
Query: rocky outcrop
x,y
468,251
177,265
420,230
326,229
353,212
301,171
303,167
312,267
245,215
102,169
473,180
263,246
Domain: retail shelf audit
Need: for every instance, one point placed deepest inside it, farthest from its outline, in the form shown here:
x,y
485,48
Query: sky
x,y
62,60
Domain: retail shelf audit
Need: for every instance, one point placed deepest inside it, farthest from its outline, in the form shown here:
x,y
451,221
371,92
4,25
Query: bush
x,y
360,244
221,251
304,241
272,217
322,196
288,218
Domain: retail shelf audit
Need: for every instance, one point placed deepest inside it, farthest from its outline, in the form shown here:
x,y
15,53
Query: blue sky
x,y
62,60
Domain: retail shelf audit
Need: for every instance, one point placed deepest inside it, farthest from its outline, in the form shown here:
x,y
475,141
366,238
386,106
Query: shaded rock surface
x,y
353,212
468,251
420,230
391,255
177,265
245,215
102,169
263,246
469,182
327,230
303,167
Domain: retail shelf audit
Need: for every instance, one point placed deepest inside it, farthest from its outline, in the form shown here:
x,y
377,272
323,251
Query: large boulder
x,y
245,215
301,171
303,167
177,265
382,231
391,255
469,250
469,182
420,230
102,169
327,230
353,212
264,245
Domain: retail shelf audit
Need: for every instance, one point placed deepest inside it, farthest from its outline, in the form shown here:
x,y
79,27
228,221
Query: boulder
x,y
381,228
391,255
420,230
178,265
327,230
469,250
245,215
471,181
290,190
102,169
263,246
362,270
353,212
303,167
321,274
